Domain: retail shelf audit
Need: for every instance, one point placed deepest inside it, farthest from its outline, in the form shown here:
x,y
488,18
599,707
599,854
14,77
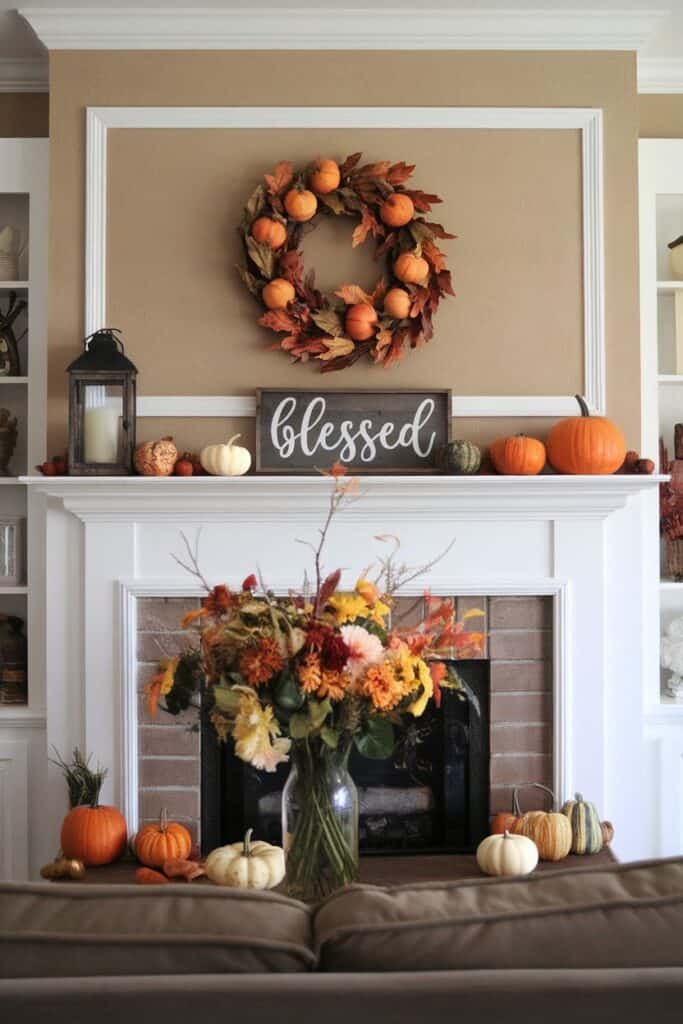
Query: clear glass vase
x,y
319,821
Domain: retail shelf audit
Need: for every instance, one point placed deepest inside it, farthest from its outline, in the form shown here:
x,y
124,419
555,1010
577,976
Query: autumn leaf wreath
x,y
338,329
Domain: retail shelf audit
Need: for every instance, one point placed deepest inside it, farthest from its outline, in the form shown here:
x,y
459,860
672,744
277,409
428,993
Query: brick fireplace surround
x,y
569,565
519,647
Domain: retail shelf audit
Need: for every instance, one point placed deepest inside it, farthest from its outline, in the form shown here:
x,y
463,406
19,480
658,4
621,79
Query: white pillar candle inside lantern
x,y
101,417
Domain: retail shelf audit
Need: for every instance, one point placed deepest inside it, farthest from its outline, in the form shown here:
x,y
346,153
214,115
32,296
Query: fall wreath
x,y
340,328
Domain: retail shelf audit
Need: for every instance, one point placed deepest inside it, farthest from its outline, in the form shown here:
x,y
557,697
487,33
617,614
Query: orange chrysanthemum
x,y
332,685
310,673
259,662
382,686
218,601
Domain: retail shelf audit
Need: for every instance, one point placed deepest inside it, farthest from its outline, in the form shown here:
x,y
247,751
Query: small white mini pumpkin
x,y
506,855
247,865
225,459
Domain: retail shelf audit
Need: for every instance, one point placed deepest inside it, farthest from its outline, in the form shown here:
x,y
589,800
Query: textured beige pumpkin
x,y
551,832
156,458
247,865
225,459
507,855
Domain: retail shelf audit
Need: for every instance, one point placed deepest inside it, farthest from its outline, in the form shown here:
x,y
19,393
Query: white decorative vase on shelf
x,y
12,246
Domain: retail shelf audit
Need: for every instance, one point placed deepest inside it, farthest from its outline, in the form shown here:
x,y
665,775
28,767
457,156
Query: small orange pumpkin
x,y
278,293
411,269
155,844
269,232
502,823
397,303
397,210
95,835
586,444
518,456
300,204
324,176
360,321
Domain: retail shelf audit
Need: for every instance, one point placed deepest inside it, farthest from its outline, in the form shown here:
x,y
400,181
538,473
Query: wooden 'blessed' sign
x,y
299,431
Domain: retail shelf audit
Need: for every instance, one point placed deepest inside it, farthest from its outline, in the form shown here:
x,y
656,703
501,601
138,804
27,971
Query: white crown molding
x,y
587,121
248,499
660,74
23,74
69,28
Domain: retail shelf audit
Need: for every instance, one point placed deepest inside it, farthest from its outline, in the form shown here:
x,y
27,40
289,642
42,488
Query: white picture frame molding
x,y
588,121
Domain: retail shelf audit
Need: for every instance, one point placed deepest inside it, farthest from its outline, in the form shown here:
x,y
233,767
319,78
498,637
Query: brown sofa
x,y
598,944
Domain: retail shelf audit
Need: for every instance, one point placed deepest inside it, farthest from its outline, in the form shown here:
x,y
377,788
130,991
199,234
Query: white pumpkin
x,y
225,459
505,855
247,865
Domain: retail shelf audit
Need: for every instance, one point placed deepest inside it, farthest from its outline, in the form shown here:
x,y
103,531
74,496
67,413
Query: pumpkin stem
x,y
578,798
506,834
247,842
582,405
232,440
516,810
163,820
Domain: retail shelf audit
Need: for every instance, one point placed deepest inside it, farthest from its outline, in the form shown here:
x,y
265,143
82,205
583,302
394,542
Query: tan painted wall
x,y
661,116
24,115
514,202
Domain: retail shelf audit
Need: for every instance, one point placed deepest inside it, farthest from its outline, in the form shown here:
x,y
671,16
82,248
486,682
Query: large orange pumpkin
x,y
324,176
411,269
269,232
167,840
94,835
300,204
518,456
360,321
397,210
586,444
397,303
278,293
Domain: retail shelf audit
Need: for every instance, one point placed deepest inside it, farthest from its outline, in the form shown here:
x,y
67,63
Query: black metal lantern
x,y
101,408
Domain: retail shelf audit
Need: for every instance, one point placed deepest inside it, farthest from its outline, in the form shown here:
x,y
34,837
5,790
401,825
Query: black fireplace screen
x,y
431,795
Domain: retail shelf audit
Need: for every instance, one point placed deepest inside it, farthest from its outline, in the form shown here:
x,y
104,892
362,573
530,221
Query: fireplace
x,y
454,767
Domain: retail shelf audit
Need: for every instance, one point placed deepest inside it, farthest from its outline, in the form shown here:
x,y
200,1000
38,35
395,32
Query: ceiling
x,y
17,40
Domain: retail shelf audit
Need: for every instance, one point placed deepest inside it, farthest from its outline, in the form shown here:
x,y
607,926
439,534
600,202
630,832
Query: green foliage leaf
x,y
227,700
300,726
262,256
318,711
249,280
334,202
287,692
330,321
376,740
329,736
255,204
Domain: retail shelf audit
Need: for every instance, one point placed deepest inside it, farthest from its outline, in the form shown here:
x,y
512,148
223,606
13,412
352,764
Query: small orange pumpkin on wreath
x,y
338,329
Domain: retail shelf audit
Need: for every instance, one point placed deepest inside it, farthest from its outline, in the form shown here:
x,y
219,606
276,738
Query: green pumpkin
x,y
585,823
460,458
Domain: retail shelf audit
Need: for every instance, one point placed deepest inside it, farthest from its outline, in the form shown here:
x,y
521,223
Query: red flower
x,y
335,652
218,601
250,583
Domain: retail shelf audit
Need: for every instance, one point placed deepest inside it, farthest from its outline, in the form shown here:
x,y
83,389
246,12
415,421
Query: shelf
x,y
11,591
670,378
13,380
20,715
669,287
12,481
668,709
13,286
671,584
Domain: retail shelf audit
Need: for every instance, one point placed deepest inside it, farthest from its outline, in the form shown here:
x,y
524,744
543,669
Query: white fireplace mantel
x,y
588,542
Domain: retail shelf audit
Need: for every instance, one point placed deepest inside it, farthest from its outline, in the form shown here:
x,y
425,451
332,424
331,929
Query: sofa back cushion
x,y
51,930
620,916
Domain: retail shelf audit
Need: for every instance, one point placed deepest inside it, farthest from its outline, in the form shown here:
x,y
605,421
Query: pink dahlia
x,y
364,649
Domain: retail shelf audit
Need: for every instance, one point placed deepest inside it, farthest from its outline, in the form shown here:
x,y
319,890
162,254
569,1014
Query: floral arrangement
x,y
318,670
339,329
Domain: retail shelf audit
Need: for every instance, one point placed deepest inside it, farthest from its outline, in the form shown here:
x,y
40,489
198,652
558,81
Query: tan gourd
x,y
507,855
551,831
247,865
227,459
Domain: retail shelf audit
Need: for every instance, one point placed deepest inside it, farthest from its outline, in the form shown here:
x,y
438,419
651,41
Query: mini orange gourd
x,y
518,455
397,303
586,444
278,293
324,176
167,840
300,204
361,321
411,269
269,232
397,210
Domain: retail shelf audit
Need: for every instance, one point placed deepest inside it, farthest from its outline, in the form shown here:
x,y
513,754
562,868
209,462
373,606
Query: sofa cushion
x,y
50,930
627,915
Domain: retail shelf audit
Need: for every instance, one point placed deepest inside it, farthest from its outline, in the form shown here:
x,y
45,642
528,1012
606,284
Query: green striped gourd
x,y
585,823
461,458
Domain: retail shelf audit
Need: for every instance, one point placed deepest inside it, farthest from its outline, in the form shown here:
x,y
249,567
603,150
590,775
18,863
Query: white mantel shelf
x,y
436,497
